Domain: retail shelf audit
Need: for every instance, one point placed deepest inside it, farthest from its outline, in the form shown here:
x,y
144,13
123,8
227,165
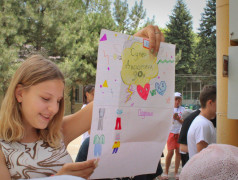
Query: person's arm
x,y
3,168
76,124
183,147
154,35
201,145
80,169
176,117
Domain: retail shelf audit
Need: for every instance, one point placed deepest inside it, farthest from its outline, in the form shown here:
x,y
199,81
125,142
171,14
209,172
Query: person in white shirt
x,y
202,132
172,143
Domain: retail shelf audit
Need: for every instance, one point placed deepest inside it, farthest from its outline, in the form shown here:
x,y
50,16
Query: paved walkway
x,y
73,148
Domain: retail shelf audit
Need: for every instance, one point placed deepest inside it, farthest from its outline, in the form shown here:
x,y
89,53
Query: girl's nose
x,y
53,108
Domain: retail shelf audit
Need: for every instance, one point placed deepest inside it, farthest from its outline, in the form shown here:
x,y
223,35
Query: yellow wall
x,y
227,129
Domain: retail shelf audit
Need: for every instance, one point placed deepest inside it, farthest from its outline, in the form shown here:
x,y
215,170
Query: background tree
x,y
179,32
206,48
80,39
128,20
11,40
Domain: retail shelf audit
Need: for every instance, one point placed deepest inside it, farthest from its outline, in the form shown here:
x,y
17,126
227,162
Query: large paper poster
x,y
133,105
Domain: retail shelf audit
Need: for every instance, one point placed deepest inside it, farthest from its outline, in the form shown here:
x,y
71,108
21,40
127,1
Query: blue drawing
x,y
160,87
98,141
119,111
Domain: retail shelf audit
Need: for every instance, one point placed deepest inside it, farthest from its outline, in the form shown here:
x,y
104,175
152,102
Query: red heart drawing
x,y
143,92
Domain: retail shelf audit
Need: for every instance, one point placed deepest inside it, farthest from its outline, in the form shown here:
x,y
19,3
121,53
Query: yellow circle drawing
x,y
139,65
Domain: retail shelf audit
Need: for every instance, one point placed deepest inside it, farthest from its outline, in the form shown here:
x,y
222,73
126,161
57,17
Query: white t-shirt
x,y
201,129
176,126
85,135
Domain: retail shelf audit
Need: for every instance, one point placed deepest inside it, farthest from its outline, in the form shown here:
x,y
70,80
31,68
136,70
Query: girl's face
x,y
90,96
40,103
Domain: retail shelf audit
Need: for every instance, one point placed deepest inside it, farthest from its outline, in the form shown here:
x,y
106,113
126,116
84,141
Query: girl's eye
x,y
45,99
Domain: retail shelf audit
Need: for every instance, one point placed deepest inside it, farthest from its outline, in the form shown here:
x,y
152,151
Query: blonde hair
x,y
34,70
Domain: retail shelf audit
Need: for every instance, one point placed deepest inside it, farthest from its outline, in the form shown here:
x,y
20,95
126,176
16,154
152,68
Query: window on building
x,y
78,94
191,90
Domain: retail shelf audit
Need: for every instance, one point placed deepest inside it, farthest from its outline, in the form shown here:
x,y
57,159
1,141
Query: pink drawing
x,y
104,38
100,86
168,100
158,77
132,104
108,68
143,92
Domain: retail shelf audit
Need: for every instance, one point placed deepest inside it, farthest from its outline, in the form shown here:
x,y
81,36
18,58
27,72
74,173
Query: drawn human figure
x,y
98,141
115,147
101,115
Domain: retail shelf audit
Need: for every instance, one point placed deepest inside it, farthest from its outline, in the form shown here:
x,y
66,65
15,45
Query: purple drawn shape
x,y
104,38
158,77
108,68
100,86
171,56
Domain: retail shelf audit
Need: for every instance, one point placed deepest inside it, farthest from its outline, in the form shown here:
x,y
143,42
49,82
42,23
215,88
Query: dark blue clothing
x,y
83,151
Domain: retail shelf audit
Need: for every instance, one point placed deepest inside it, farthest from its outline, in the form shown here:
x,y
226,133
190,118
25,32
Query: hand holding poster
x,y
133,105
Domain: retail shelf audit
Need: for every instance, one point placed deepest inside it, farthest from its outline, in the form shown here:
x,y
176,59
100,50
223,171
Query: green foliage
x,y
67,31
128,21
206,48
179,32
79,38
11,40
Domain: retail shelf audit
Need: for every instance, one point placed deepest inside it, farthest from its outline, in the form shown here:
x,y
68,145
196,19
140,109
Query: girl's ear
x,y
18,93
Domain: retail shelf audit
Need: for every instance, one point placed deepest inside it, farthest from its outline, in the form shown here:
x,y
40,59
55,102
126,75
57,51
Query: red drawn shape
x,y
104,38
143,92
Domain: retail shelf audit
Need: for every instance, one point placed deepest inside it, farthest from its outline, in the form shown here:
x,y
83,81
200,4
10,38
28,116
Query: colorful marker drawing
x,y
153,92
104,38
165,61
117,136
138,68
118,124
115,147
132,105
98,141
161,87
101,115
143,91
146,43
105,84
119,111
130,91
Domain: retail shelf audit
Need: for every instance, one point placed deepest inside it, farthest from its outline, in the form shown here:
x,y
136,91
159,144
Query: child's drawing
x,y
133,105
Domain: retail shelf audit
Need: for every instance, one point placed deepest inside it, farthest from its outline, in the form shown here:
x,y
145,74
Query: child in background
x,y
88,96
34,134
172,142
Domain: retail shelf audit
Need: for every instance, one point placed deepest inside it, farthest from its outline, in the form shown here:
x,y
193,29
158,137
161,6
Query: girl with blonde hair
x,y
31,117
34,134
